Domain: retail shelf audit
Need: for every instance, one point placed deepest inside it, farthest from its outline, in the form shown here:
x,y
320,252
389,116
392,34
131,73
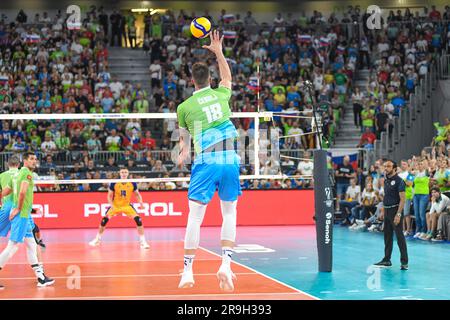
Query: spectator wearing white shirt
x,y
297,132
352,198
155,73
48,146
440,203
306,166
76,47
116,87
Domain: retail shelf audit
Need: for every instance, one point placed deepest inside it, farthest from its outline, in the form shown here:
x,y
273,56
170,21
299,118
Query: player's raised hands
x,y
216,42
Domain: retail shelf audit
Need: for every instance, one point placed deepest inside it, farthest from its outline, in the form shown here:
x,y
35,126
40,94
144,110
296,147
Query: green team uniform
x,y
24,174
6,181
206,115
442,178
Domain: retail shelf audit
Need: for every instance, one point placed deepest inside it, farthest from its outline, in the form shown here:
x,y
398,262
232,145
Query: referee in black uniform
x,y
392,213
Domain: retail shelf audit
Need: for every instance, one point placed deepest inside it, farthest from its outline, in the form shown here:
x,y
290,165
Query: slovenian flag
x,y
304,38
227,18
340,49
324,42
230,34
338,157
3,79
32,38
253,84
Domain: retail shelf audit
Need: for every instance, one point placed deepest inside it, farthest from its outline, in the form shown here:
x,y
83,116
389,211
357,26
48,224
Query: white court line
x,y
110,261
284,258
264,275
352,291
165,296
127,276
326,291
429,288
404,289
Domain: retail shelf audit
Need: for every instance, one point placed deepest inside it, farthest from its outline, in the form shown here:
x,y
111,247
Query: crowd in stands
x,y
427,179
46,68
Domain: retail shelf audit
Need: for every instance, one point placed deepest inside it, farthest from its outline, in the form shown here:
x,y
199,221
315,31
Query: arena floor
x,y
270,263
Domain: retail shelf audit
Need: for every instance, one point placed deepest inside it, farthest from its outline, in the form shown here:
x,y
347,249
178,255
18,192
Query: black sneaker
x,y
404,267
383,264
45,282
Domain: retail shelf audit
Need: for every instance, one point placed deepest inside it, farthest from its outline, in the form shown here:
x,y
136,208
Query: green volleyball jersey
x,y
6,180
442,178
421,183
24,174
407,177
206,115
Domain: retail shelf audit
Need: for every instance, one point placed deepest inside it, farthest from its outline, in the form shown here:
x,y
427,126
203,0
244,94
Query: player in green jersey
x,y
21,227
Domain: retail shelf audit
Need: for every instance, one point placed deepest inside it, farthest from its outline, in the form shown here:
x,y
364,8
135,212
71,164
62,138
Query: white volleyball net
x,y
270,146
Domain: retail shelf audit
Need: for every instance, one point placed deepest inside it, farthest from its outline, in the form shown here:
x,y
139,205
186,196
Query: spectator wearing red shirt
x,y
368,137
434,14
148,142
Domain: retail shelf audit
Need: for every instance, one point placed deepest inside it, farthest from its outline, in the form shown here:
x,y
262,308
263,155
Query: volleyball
x,y
200,27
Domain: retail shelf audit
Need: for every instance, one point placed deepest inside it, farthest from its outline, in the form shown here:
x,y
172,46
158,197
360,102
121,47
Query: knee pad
x,y
138,221
229,215
104,221
195,219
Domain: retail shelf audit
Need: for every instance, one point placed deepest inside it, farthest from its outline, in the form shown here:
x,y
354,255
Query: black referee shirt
x,y
392,188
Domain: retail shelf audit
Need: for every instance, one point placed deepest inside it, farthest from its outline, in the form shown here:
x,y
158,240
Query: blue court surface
x,y
294,262
289,254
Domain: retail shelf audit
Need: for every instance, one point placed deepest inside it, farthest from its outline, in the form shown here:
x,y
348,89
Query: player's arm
x,y
139,197
110,197
224,69
5,192
22,194
185,138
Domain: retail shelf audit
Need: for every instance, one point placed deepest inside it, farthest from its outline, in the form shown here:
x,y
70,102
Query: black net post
x,y
324,211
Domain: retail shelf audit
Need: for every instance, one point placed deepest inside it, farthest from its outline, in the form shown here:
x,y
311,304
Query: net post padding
x,y
324,211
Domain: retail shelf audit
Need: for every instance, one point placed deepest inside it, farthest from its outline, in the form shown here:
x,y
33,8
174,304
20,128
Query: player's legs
x,y
229,190
7,254
201,190
132,213
101,229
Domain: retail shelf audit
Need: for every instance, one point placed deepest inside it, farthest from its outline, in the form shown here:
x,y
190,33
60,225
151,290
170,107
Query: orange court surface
x,y
122,270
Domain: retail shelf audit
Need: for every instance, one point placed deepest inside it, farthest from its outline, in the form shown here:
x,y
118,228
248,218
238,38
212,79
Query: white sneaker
x,y
144,245
187,280
417,235
94,242
226,277
353,226
371,228
359,222
405,233
360,228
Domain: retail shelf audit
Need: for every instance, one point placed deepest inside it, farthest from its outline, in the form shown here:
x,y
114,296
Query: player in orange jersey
x,y
119,198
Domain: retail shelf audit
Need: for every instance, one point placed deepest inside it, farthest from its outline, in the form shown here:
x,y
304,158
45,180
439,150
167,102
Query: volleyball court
x,y
119,268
